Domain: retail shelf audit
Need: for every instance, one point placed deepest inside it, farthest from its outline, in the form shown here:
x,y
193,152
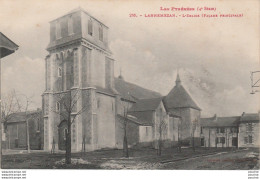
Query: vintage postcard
x,y
137,85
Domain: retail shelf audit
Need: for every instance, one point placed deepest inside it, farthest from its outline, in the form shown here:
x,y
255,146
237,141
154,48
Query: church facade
x,y
80,67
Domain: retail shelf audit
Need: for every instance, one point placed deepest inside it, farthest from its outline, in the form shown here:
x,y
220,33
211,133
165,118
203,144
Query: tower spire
x,y
178,80
120,76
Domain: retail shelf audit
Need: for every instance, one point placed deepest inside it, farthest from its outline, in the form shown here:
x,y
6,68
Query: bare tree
x,y
68,111
193,128
161,127
14,102
179,133
125,142
124,121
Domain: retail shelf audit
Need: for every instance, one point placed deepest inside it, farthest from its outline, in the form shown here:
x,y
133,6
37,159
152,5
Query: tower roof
x,y
178,97
178,80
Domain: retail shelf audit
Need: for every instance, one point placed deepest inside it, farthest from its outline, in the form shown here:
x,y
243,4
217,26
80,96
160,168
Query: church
x,y
80,66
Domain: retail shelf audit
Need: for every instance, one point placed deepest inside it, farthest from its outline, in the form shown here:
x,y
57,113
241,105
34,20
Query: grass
x,y
139,158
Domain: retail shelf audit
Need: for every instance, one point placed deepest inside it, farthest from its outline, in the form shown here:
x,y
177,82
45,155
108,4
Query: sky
x,y
214,56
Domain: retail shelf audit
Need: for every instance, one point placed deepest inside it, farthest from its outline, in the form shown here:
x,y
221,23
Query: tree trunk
x,y
83,145
237,136
28,136
159,153
68,143
193,143
125,145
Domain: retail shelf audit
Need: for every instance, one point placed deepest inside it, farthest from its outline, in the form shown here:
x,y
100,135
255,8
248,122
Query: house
x,y
219,131
80,71
249,130
15,128
233,131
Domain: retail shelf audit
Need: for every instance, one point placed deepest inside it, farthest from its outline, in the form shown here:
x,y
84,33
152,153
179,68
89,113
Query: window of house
x,y
250,139
57,106
70,26
59,72
220,130
233,130
245,140
100,30
223,140
202,141
90,27
201,130
58,30
249,127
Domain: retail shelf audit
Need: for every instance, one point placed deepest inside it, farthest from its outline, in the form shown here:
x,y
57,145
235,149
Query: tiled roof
x,y
146,104
178,97
143,117
22,116
133,92
106,91
249,117
219,121
139,121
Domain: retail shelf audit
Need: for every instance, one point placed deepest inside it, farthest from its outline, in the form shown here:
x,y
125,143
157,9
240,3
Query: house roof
x,y
178,97
143,117
150,104
132,92
249,117
7,46
219,121
22,116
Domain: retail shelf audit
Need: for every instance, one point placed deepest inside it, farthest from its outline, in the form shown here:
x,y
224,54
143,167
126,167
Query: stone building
x,y
219,131
15,130
235,131
249,130
80,72
179,102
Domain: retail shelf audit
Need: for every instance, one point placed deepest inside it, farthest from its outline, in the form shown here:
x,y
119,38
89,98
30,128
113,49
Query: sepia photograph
x,y
129,85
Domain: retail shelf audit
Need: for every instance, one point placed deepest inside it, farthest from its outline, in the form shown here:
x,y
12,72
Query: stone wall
x,y
189,115
63,23
105,120
94,38
132,131
145,133
16,135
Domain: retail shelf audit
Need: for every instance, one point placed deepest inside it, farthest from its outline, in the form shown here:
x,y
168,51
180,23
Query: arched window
x,y
90,27
100,30
57,106
57,57
59,72
70,26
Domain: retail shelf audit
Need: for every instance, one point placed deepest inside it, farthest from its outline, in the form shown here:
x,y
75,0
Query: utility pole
x,y
255,81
